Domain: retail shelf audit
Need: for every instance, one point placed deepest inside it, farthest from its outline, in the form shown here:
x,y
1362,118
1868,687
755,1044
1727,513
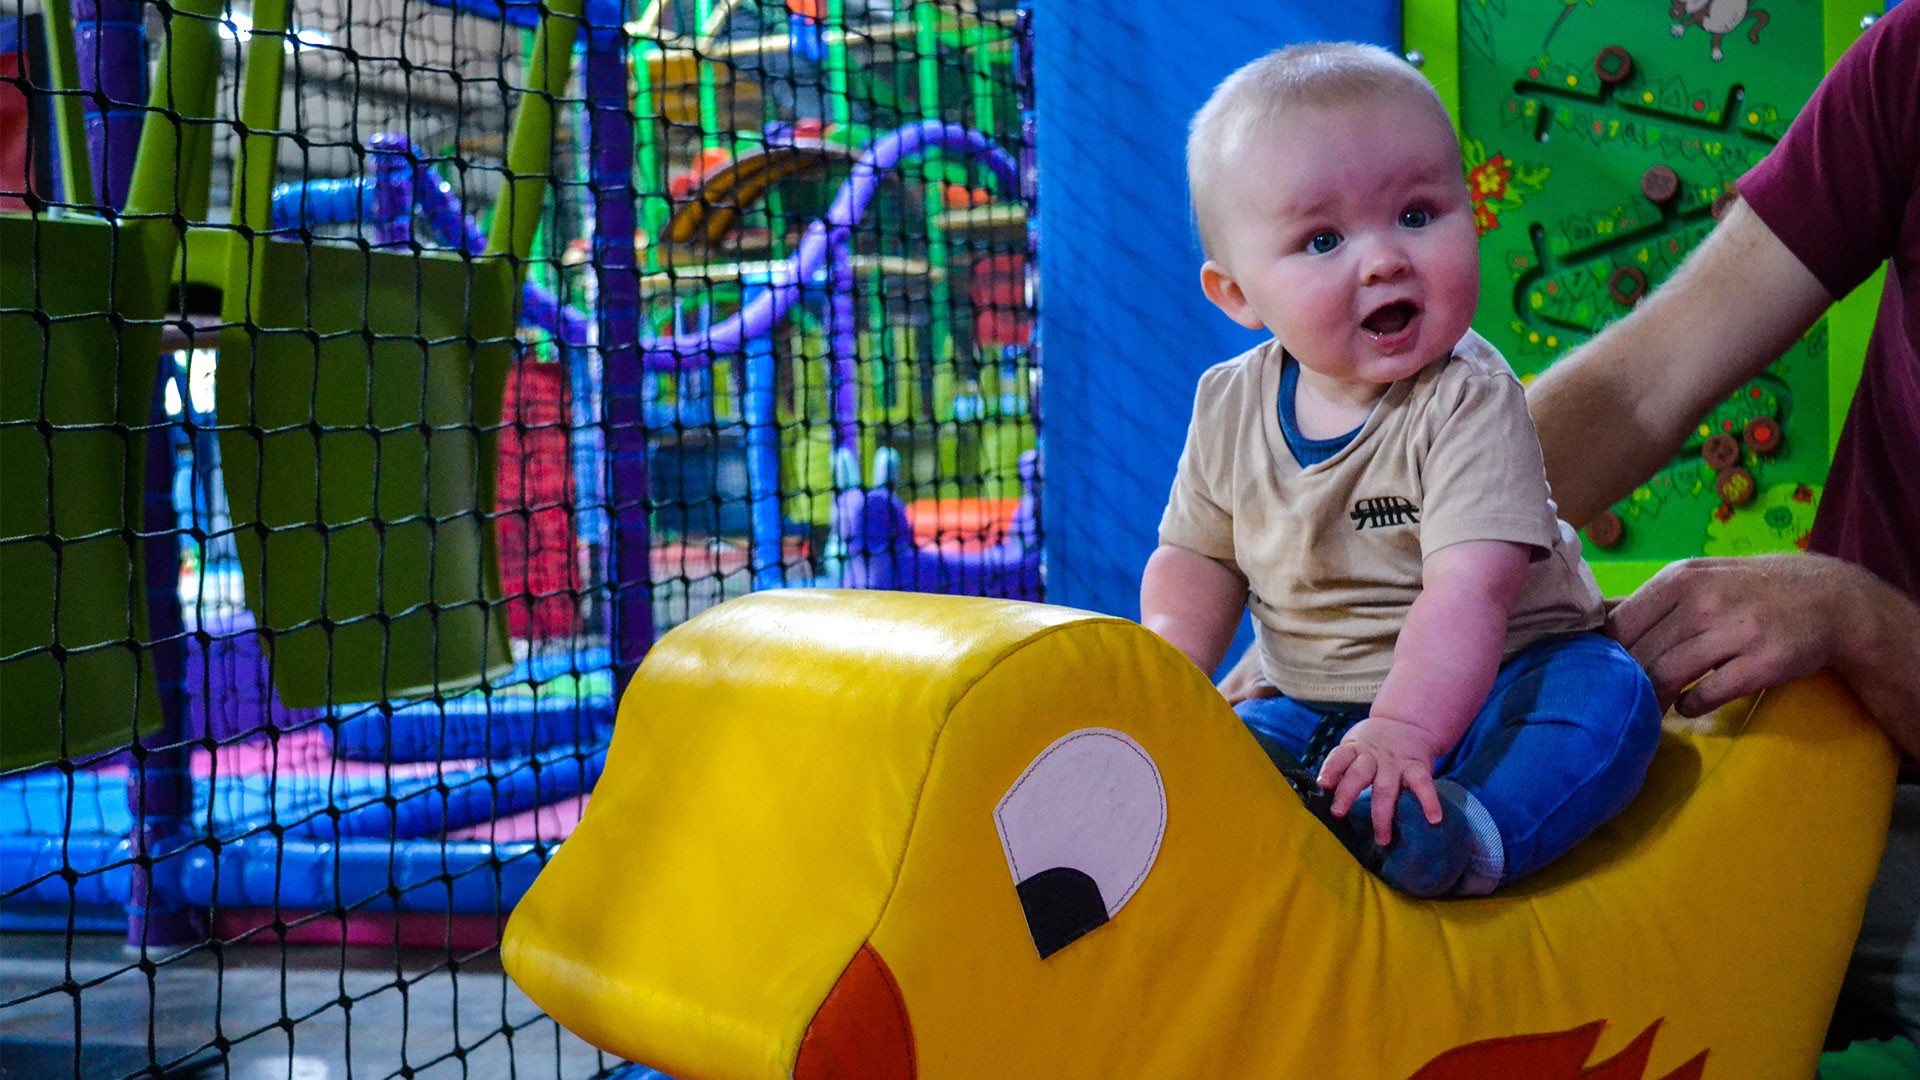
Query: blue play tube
x,y
478,726
485,724
36,804
324,860
323,202
763,458
522,13
316,807
32,869
359,875
462,876
432,805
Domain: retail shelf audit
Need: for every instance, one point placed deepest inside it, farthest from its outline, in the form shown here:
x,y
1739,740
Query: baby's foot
x,y
1423,859
1317,800
1431,863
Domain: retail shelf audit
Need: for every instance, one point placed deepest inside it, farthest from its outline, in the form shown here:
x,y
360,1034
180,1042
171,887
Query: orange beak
x,y
861,1031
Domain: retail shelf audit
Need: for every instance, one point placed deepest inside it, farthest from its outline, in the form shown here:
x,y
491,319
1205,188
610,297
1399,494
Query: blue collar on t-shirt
x,y
1308,452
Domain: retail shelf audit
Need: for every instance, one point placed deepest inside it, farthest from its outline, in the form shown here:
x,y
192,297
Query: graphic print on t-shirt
x,y
1381,512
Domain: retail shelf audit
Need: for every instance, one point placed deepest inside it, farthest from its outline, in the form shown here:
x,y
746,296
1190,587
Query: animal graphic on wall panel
x,y
1719,18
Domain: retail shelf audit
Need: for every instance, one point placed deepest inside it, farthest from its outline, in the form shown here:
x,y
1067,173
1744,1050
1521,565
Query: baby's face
x,y
1347,232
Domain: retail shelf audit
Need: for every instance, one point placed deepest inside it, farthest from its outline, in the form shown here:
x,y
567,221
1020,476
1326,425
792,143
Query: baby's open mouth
x,y
1391,318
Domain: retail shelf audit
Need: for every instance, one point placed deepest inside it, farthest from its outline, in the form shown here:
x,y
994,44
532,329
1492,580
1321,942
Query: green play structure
x,y
79,348
360,393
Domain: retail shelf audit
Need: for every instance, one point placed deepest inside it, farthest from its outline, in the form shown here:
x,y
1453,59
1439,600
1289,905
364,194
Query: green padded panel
x,y
359,402
359,396
79,348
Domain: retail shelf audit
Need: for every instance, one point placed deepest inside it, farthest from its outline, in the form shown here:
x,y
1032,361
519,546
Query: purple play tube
x,y
828,245
881,553
610,150
394,162
434,201
110,51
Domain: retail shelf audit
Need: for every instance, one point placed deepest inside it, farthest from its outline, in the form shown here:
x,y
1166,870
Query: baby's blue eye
x,y
1415,218
1322,242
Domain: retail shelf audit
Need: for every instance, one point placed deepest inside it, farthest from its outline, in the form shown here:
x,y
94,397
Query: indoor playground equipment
x,y
320,755
72,497
880,552
1033,841
390,586
871,524
836,832
732,221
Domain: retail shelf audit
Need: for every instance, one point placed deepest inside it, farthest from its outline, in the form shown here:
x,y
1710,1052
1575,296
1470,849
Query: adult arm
x,y
1444,664
1617,409
1192,601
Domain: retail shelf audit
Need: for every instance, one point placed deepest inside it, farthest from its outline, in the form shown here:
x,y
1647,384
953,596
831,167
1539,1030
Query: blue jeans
x,y
1560,747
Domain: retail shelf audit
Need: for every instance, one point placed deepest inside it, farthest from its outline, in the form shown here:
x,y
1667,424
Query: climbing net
x,y
381,378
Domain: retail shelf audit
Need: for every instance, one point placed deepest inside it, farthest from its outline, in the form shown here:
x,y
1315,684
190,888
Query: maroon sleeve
x,y
1836,187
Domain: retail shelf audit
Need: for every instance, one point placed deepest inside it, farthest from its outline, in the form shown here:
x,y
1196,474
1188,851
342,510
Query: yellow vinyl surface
x,y
797,775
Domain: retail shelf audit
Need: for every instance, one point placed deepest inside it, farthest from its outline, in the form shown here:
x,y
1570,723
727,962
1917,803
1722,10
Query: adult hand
x,y
1388,755
1709,631
1246,681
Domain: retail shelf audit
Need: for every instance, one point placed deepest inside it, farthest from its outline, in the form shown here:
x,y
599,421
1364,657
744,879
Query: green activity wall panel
x,y
1598,136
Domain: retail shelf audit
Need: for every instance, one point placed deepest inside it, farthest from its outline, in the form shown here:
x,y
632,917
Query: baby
x,y
1368,482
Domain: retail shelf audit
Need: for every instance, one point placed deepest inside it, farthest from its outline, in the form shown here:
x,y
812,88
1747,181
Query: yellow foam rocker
x,y
877,836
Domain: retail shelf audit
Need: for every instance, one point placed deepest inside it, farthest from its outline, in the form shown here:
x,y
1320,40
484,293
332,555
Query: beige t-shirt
x,y
1332,553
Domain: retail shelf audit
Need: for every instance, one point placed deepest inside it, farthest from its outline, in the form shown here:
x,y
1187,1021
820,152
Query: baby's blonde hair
x,y
1247,102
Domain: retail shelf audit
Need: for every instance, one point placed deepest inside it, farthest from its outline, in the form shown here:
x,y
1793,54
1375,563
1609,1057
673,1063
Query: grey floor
x,y
298,1013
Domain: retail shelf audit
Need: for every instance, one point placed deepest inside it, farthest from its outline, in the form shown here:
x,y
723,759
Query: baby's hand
x,y
1388,755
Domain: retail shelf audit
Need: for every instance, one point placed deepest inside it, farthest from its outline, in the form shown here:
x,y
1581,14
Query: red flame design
x,y
1560,1055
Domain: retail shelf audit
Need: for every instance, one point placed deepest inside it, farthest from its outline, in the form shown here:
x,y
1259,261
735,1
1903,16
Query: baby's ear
x,y
1226,295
